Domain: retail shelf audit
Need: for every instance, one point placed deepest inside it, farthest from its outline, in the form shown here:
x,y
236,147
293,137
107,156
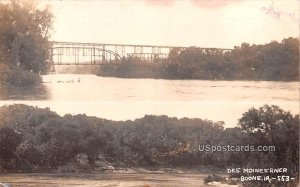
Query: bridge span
x,y
75,53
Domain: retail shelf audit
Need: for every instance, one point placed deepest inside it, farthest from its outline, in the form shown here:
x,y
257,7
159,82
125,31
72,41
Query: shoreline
x,y
123,170
164,78
108,179
187,79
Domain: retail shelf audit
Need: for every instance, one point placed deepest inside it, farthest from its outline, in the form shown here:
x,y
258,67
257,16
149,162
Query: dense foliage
x,y
33,138
131,68
273,61
24,46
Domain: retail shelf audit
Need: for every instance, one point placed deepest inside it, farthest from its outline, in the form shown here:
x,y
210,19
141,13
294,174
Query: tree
x,y
265,120
24,34
270,125
9,141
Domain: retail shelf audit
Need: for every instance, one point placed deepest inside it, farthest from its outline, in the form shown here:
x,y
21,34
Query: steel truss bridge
x,y
73,53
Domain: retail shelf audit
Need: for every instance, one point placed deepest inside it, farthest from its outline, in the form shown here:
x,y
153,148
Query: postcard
x,y
149,93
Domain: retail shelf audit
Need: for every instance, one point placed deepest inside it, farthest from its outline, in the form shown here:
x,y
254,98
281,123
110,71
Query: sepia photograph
x,y
149,93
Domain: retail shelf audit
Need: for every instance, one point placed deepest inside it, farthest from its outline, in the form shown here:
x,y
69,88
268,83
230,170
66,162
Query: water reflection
x,y
38,92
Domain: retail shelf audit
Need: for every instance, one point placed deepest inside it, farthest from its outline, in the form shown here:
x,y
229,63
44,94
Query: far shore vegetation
x,y
39,140
274,61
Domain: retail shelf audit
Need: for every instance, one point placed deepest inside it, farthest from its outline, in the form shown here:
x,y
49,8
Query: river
x,y
123,99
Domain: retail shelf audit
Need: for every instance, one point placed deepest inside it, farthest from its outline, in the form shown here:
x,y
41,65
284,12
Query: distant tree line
x,y
34,139
24,46
277,61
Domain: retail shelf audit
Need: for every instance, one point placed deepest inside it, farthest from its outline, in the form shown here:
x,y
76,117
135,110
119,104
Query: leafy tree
x,y
9,140
270,125
24,34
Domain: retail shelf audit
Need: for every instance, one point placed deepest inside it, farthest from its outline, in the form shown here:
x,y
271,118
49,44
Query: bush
x,y
19,78
9,141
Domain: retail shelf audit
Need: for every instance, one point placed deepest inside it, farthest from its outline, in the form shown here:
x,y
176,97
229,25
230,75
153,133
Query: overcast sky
x,y
203,23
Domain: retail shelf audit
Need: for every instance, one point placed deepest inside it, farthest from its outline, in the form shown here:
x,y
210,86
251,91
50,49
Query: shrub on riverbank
x,y
44,140
19,78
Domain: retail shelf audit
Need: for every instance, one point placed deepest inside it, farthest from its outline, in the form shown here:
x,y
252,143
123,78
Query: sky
x,y
201,23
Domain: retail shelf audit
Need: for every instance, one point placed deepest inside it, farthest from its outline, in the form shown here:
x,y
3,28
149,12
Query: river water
x,y
123,99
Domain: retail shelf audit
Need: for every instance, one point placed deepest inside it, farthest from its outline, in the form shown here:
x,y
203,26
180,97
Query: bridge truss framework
x,y
74,53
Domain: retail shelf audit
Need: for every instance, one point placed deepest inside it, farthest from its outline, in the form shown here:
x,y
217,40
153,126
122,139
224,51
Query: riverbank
x,y
73,168
19,84
38,140
171,71
34,92
103,180
18,77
